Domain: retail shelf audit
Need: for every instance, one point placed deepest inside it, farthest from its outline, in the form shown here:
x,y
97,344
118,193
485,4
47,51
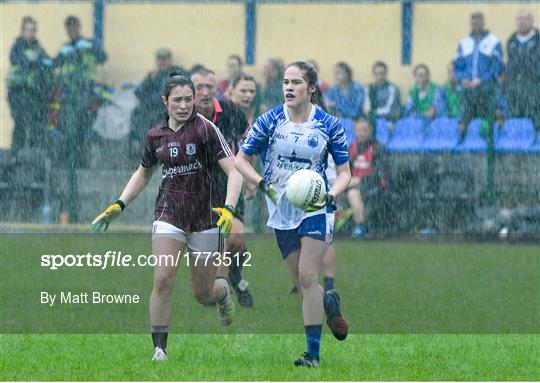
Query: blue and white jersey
x,y
479,58
285,147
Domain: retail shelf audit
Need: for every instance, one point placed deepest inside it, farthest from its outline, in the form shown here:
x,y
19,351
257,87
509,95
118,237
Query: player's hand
x,y
226,216
269,189
328,200
102,221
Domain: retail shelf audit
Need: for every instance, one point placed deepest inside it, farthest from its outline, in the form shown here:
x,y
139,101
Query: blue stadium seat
x,y
442,135
408,136
473,141
517,135
382,133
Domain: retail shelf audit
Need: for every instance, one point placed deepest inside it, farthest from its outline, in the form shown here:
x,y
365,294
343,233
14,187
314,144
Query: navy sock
x,y
159,336
313,338
328,283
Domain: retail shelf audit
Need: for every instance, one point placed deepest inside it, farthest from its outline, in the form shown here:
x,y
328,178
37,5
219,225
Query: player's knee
x,y
163,284
203,297
306,279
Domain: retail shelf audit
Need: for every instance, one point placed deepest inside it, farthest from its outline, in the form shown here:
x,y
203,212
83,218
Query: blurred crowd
x,y
59,107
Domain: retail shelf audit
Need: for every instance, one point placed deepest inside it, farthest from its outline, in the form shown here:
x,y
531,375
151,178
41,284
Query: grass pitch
x,y
269,357
417,311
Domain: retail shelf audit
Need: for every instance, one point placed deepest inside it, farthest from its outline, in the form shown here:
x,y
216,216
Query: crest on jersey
x,y
191,149
313,140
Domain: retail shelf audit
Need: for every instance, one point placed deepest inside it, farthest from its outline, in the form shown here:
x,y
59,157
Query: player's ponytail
x,y
317,98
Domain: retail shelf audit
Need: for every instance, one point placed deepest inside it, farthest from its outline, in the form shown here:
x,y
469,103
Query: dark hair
x,y
72,21
347,69
310,75
314,64
421,66
237,58
381,64
27,20
242,77
477,15
195,68
176,79
163,53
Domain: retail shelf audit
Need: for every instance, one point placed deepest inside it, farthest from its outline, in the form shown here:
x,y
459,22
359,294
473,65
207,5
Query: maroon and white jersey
x,y
189,165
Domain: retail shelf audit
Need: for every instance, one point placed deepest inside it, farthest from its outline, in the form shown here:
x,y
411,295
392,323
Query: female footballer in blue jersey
x,y
300,135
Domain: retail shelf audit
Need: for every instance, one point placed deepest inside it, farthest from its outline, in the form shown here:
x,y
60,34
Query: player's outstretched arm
x,y
137,183
134,187
244,164
234,188
234,181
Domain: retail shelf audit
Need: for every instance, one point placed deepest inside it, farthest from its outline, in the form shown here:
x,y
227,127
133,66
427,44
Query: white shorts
x,y
208,241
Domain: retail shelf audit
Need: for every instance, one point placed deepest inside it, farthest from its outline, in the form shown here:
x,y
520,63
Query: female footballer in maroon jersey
x,y
191,150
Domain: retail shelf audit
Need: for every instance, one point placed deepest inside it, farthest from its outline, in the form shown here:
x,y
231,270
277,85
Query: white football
x,y
305,188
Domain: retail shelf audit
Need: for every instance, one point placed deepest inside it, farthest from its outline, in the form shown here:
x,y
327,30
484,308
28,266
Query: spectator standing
x,y
234,69
421,101
272,94
523,71
76,73
232,124
151,109
448,98
243,92
346,97
383,97
75,70
368,171
29,82
478,65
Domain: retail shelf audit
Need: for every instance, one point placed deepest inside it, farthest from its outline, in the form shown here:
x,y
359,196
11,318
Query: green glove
x,y
269,190
328,200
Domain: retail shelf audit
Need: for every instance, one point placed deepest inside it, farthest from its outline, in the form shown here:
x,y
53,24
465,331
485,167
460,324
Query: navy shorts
x,y
319,227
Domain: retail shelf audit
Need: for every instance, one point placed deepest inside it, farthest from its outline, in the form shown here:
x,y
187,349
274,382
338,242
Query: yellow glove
x,y
102,221
226,216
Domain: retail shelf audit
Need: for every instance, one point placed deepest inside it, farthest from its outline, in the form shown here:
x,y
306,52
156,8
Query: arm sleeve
x,y
216,142
241,126
149,158
358,102
396,104
497,66
100,54
337,145
258,135
459,66
14,56
409,108
143,88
